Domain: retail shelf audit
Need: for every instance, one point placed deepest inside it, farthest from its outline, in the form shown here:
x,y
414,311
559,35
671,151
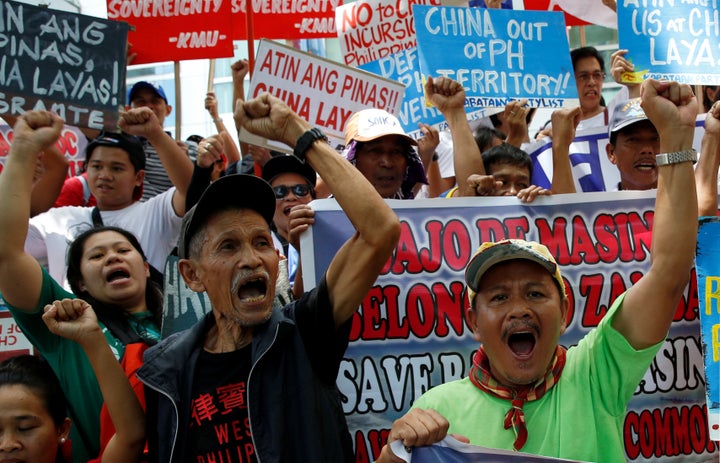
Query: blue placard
x,y
707,266
672,39
498,55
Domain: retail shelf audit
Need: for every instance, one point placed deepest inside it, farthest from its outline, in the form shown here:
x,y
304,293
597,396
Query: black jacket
x,y
293,401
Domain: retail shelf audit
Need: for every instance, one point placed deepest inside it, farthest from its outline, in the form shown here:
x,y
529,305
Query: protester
x,y
500,171
32,399
293,183
33,409
168,164
589,68
270,372
509,174
230,152
106,266
76,190
486,137
116,169
377,145
634,142
524,391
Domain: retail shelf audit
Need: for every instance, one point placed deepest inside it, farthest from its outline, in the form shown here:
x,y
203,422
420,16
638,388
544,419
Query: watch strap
x,y
675,157
305,142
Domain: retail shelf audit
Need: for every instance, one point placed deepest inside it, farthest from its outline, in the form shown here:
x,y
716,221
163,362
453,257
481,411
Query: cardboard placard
x,y
71,64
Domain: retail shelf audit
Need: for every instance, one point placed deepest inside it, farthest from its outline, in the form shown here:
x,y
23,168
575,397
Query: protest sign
x,y
71,143
498,55
591,168
285,20
708,281
410,335
174,31
671,39
70,64
404,67
372,29
320,91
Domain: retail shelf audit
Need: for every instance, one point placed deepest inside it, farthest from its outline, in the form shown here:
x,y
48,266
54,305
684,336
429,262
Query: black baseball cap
x,y
236,191
288,164
129,143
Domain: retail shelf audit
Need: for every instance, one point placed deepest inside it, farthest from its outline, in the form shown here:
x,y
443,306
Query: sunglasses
x,y
299,190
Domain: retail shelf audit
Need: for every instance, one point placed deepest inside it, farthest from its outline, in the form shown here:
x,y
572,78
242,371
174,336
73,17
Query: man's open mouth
x,y
522,343
252,290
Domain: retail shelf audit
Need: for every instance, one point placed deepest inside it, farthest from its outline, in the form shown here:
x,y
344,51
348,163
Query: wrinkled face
x,y
112,178
589,83
383,162
28,433
284,205
237,266
634,155
113,270
147,98
513,177
519,316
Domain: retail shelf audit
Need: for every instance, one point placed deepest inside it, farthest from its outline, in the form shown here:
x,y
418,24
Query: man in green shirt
x,y
525,392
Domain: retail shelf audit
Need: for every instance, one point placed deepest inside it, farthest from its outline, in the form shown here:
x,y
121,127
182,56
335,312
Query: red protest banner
x,y
174,31
286,20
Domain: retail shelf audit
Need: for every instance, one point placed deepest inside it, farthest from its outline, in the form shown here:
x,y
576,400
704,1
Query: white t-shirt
x,y
154,223
598,120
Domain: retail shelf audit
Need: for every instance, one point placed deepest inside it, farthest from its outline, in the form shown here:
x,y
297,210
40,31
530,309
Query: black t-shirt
x,y
219,423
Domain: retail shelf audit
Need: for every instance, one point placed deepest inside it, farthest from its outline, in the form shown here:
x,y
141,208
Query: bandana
x,y
482,379
415,172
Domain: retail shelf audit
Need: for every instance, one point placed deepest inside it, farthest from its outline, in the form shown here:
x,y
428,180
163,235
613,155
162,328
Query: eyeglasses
x,y
585,76
300,190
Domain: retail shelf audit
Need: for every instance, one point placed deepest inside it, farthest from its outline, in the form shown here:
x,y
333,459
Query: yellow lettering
x,y
712,294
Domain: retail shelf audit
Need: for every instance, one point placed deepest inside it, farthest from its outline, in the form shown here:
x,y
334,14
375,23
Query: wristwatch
x,y
305,142
664,159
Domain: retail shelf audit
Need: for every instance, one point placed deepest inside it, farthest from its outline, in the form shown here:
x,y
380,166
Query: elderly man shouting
x,y
253,382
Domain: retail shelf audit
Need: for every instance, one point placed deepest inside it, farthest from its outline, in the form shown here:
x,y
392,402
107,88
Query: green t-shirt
x,y
580,418
72,367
